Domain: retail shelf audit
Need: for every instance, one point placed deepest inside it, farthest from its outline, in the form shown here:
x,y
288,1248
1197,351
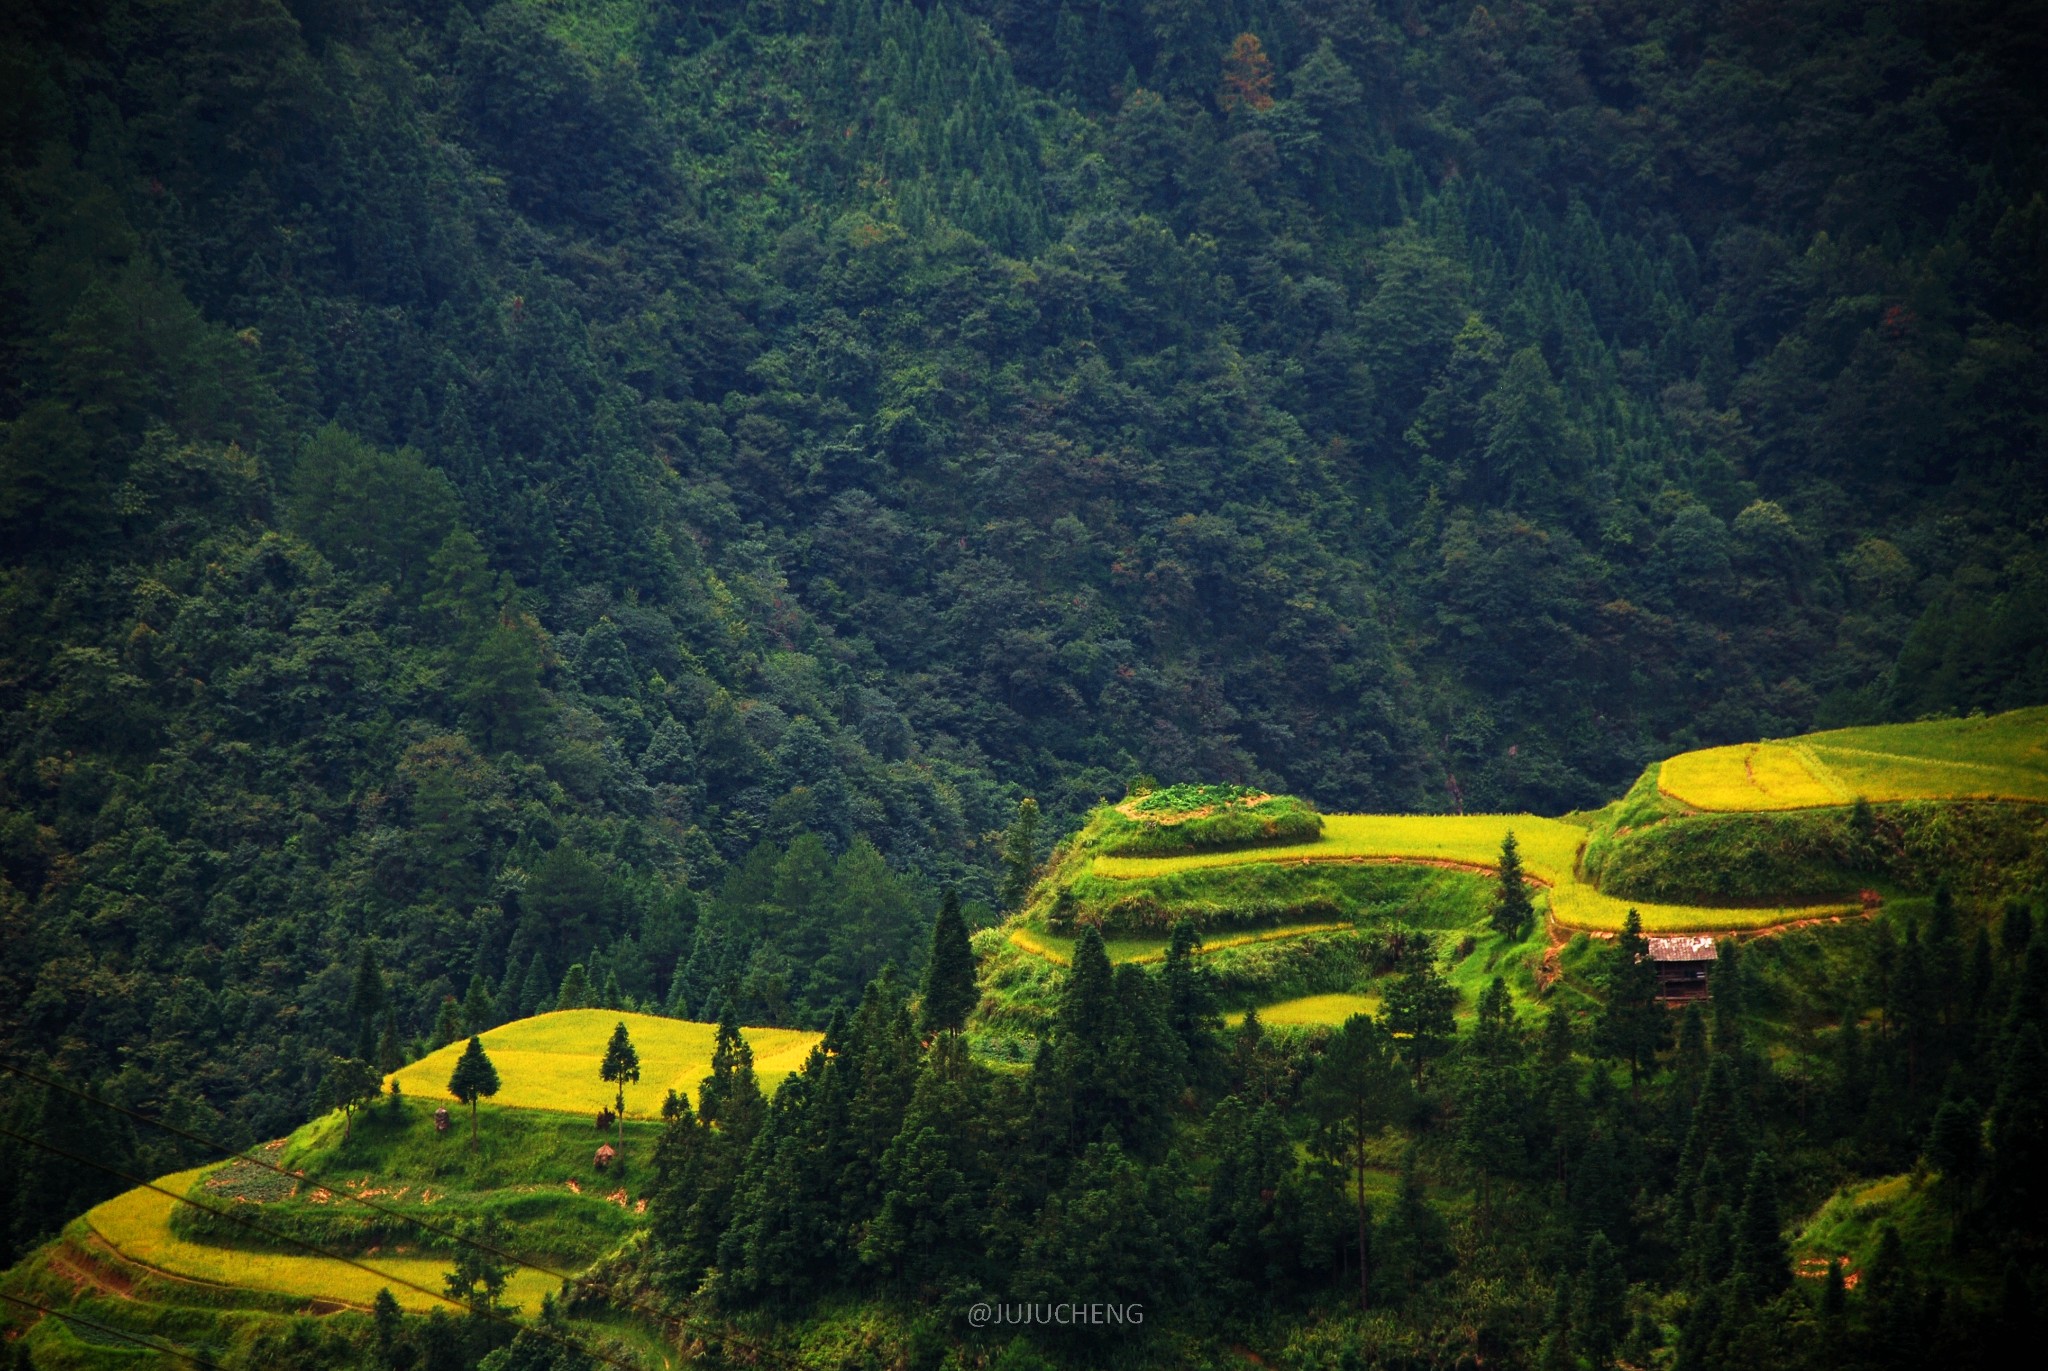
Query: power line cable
x,y
140,1340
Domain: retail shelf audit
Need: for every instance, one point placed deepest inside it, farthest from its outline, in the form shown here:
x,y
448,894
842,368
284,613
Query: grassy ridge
x,y
1224,897
1549,846
1549,849
532,1168
2002,757
550,1061
1202,818
137,1225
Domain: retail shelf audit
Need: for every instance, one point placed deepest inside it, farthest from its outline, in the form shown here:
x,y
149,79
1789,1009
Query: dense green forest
x,y
619,500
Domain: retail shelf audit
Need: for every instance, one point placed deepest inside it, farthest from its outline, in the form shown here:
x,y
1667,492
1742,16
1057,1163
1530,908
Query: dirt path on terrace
x,y
83,1271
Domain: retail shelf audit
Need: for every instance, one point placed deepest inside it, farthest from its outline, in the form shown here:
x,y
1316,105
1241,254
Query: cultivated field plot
x,y
138,1226
1058,948
1312,1011
2002,757
1548,846
550,1061
1549,854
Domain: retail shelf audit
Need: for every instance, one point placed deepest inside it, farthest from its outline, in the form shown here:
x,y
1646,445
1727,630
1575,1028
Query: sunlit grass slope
x,y
1549,850
550,1061
137,1225
1548,845
1054,947
2002,757
1312,1011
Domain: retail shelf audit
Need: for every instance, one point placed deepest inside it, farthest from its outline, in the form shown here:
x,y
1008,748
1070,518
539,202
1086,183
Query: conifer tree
x,y
1489,1136
1020,854
387,1324
1413,1244
730,1094
1760,1255
1633,1027
679,1163
533,994
1145,1067
1190,1004
949,993
475,1078
1955,1147
1254,1159
575,989
1911,1005
1496,1037
1513,909
1075,1079
928,1224
1421,1010
447,1022
2016,929
1600,1315
1357,1088
1555,1352
621,1065
1834,1300
2018,1174
1727,997
366,1004
479,1010
390,1053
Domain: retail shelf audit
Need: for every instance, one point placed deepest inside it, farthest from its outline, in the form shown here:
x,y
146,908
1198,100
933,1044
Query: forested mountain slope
x,y
649,486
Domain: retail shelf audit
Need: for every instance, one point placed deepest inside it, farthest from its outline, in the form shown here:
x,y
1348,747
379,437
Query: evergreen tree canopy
x,y
474,1078
949,993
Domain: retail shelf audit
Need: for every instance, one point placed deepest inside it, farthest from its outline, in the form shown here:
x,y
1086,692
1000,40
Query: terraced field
x,y
1312,1011
2002,757
137,1226
550,1061
1549,853
1055,948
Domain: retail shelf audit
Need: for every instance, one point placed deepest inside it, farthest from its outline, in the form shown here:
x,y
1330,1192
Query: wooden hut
x,y
1682,966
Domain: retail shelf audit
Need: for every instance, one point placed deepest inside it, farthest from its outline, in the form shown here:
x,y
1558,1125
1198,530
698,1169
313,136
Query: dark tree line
x,y
1540,1197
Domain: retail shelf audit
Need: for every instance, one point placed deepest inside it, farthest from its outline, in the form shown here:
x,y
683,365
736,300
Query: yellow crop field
x,y
2000,757
1549,850
550,1061
1312,1011
1056,948
1575,905
1549,846
138,1226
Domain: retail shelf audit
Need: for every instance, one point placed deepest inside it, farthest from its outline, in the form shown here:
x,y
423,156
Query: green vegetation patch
x,y
1202,818
1647,849
535,1170
1217,899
